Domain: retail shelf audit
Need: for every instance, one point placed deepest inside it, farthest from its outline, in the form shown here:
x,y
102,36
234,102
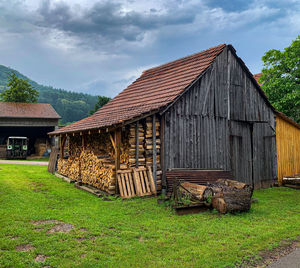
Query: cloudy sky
x,y
99,47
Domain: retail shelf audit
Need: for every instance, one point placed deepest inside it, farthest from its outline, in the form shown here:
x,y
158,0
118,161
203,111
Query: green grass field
x,y
131,233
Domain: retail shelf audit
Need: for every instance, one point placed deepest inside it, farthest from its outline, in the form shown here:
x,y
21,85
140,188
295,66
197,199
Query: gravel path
x,y
15,162
291,260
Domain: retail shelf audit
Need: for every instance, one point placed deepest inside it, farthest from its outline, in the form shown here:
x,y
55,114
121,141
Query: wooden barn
x,y
288,146
201,117
287,143
31,120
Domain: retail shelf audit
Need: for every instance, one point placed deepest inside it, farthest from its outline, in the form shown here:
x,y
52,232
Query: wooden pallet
x,y
136,182
126,183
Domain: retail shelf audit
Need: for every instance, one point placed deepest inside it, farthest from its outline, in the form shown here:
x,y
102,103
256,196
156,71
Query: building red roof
x,y
154,89
27,110
256,77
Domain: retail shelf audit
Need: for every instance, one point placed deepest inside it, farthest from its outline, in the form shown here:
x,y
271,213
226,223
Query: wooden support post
x,y
118,147
137,143
162,151
83,140
154,149
117,143
62,146
113,143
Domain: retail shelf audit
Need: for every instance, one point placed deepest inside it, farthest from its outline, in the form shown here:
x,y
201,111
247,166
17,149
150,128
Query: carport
x,y
31,120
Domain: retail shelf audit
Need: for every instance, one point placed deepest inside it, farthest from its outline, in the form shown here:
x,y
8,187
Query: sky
x,y
100,47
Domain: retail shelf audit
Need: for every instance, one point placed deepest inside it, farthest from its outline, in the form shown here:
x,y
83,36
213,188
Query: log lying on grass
x,y
231,196
291,180
196,192
223,195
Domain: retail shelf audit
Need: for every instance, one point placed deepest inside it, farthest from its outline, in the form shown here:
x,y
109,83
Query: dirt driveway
x,y
17,162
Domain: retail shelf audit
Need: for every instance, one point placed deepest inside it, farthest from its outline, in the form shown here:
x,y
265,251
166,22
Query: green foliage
x,y
19,90
280,78
71,106
102,100
131,233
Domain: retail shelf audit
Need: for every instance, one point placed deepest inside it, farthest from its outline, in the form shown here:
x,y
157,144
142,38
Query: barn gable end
x,y
223,122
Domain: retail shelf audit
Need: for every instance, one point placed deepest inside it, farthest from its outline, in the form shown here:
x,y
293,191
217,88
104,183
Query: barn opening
x,y
31,120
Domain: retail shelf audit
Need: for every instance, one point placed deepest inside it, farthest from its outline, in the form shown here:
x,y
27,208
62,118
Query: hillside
x,y
71,106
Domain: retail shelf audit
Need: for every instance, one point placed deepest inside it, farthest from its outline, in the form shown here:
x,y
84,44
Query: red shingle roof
x,y
256,77
27,110
154,89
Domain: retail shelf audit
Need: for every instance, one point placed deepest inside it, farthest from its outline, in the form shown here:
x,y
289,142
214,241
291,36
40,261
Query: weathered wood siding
x,y
288,148
222,122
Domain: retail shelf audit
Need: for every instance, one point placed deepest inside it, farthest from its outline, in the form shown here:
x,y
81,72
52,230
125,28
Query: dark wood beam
x,y
83,140
137,144
162,151
62,146
154,149
118,148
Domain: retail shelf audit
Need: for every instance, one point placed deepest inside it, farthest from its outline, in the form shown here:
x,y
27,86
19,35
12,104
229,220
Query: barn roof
x,y
287,119
27,110
154,89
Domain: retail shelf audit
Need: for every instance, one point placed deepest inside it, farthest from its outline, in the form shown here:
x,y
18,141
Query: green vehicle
x,y
17,147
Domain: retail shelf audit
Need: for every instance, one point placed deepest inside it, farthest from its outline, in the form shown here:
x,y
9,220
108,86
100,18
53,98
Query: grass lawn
x,y
131,233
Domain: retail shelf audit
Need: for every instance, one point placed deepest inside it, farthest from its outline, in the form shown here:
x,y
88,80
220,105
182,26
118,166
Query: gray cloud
x,y
108,20
100,47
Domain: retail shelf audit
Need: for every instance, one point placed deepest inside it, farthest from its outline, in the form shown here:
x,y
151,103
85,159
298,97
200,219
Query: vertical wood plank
x,y
137,182
120,185
127,185
141,179
124,185
133,192
151,180
146,179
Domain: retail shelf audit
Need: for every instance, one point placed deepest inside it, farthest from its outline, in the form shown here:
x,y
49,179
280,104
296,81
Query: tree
x,y
101,102
280,79
19,90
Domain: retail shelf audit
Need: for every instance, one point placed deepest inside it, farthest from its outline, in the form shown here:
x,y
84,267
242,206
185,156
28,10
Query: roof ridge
x,y
156,88
203,52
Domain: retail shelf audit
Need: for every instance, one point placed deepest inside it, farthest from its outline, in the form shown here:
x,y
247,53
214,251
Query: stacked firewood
x,y
149,147
132,145
97,172
149,142
93,165
92,157
69,167
74,146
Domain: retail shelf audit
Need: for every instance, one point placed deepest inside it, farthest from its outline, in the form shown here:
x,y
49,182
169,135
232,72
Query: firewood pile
x,y
145,146
91,159
97,172
94,165
226,196
74,146
132,145
149,142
